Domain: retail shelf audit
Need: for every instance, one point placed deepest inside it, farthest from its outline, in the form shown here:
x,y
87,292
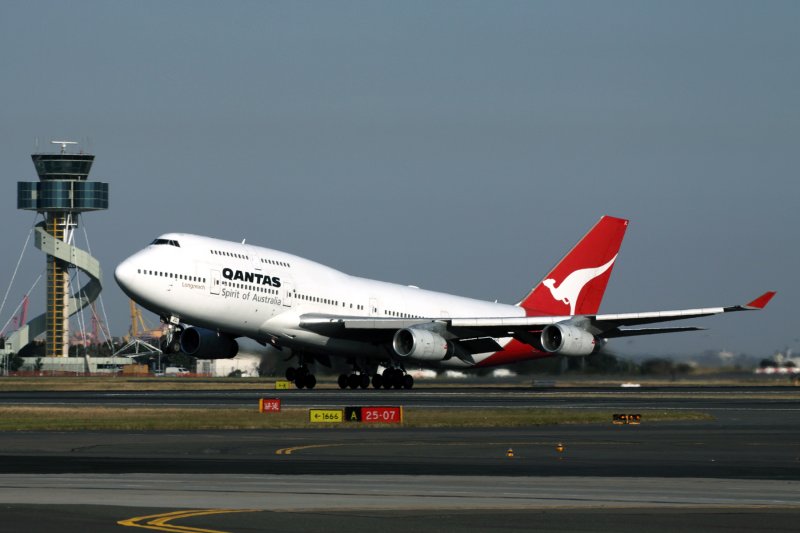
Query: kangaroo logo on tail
x,y
570,288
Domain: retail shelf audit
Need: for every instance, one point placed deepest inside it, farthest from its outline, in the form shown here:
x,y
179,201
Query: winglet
x,y
761,302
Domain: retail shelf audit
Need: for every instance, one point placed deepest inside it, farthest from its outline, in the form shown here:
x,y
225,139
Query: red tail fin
x,y
577,283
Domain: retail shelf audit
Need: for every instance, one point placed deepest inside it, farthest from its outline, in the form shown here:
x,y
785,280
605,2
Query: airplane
x,y
210,292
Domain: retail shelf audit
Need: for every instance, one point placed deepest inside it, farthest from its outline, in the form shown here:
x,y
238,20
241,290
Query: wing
x,y
476,333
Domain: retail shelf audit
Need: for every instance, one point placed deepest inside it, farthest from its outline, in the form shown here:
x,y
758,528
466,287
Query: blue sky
x,y
458,146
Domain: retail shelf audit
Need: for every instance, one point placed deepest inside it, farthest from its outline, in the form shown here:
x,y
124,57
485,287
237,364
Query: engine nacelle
x,y
421,344
567,340
207,344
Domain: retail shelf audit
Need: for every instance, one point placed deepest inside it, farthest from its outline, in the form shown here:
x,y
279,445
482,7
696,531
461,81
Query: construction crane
x,y
139,328
19,320
99,329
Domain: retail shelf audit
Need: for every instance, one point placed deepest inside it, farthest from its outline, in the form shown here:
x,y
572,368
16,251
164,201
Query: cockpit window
x,y
169,242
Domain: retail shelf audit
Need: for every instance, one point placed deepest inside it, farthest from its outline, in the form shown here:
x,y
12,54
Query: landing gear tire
x,y
302,377
342,381
408,382
171,347
397,379
388,375
377,381
353,381
393,378
310,381
364,378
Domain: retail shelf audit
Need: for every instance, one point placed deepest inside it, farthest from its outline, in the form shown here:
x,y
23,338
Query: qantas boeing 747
x,y
211,292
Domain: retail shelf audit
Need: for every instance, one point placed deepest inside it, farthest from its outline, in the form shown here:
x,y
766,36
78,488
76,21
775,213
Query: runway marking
x,y
288,451
160,522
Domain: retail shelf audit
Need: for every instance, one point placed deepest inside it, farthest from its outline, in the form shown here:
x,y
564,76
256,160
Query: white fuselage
x,y
250,291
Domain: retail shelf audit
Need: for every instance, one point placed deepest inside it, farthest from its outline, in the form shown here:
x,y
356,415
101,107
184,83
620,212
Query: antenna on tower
x,y
63,145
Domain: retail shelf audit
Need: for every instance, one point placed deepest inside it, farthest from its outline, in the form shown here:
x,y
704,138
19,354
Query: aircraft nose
x,y
123,274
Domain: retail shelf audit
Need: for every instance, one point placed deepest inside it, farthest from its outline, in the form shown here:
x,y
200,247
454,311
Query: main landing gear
x,y
301,377
392,378
171,340
354,380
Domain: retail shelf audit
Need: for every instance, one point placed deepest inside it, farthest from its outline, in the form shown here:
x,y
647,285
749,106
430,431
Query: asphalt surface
x,y
714,398
101,519
709,450
739,471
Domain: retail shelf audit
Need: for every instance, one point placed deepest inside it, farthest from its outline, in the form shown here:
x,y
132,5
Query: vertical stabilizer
x,y
577,283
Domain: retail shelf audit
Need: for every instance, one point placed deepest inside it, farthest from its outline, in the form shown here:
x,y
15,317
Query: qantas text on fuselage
x,y
212,292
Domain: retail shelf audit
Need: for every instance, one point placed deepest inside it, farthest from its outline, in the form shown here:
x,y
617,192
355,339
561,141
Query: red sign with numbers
x,y
382,415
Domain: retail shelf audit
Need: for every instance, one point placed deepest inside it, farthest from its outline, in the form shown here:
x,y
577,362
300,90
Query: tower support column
x,y
57,342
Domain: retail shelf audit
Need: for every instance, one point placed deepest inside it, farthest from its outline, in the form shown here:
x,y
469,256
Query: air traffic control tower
x,y
61,195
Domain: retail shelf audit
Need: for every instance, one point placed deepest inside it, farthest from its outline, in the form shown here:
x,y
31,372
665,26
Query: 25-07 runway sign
x,y
374,415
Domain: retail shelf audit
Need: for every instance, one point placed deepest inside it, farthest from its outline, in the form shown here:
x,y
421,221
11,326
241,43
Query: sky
x,y
458,146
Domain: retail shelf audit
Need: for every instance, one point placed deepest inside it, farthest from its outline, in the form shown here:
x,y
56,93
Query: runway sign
x,y
352,414
325,415
269,405
627,419
374,415
283,385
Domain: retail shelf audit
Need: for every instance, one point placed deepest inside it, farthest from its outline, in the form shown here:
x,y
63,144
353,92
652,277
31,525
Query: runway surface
x,y
716,398
740,471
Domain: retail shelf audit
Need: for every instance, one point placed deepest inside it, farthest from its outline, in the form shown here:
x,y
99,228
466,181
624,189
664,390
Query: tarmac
x,y
740,471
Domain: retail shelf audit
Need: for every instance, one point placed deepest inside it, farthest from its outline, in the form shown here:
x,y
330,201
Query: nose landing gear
x,y
171,340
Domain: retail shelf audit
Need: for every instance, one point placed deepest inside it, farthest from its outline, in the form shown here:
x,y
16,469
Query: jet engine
x,y
207,344
421,344
566,339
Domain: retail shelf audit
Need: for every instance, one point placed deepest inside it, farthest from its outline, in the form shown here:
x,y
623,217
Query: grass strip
x,y
152,419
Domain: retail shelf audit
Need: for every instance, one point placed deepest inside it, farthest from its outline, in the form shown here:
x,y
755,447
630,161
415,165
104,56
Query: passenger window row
x,y
242,256
398,314
327,301
171,275
229,254
273,262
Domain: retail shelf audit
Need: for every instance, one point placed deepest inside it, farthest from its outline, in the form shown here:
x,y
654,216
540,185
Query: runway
x,y
740,470
714,398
